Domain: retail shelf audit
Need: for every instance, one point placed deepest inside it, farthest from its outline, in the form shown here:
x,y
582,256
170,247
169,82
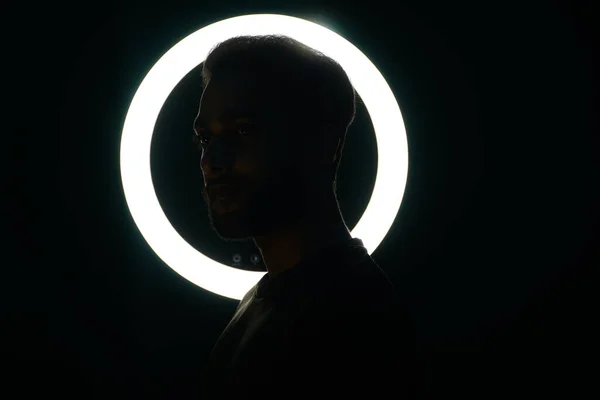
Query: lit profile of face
x,y
246,143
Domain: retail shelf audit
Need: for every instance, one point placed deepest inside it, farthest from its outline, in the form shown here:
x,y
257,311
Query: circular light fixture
x,y
175,64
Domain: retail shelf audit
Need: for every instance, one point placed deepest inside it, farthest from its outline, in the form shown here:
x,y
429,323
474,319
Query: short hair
x,y
320,91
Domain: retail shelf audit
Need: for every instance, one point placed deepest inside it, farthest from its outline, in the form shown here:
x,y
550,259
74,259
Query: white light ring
x,y
172,67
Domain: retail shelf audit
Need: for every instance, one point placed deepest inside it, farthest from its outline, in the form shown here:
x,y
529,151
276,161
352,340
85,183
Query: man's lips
x,y
223,198
221,191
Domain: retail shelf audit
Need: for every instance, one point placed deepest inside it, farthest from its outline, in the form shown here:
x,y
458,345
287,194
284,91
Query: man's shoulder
x,y
361,289
365,282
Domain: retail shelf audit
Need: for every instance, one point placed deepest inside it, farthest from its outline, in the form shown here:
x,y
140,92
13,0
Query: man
x,y
271,128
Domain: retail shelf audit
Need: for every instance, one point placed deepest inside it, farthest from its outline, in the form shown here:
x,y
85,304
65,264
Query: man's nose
x,y
217,159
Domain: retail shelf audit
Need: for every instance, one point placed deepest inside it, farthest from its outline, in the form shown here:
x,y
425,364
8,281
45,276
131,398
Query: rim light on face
x,y
174,65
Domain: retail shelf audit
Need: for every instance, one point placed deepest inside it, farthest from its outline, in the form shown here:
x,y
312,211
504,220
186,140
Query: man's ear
x,y
337,146
332,142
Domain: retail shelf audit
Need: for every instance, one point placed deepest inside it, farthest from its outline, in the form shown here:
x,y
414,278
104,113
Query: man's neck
x,y
290,245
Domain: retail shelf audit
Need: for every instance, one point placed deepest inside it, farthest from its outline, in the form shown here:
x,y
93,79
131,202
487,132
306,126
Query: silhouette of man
x,y
271,129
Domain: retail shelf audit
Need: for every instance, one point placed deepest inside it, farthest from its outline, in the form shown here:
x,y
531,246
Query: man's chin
x,y
232,236
228,228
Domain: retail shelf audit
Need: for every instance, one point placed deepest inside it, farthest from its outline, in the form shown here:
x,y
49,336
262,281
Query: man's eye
x,y
245,129
242,130
200,140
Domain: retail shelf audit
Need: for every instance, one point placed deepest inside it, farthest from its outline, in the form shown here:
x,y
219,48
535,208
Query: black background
x,y
493,247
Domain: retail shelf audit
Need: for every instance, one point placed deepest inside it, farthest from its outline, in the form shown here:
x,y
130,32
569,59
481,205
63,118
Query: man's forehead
x,y
234,95
241,83
225,109
229,114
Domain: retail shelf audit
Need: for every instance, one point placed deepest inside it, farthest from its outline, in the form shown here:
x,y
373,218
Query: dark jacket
x,y
331,323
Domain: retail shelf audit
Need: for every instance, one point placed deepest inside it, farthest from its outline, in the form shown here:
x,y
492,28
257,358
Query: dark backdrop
x,y
493,247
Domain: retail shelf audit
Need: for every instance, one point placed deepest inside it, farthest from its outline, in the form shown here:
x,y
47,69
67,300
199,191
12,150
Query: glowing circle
x,y
175,64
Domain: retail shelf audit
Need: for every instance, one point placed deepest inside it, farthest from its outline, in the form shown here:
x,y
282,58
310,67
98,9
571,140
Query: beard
x,y
261,208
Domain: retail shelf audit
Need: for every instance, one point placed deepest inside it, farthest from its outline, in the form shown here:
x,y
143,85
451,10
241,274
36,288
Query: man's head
x,y
272,123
